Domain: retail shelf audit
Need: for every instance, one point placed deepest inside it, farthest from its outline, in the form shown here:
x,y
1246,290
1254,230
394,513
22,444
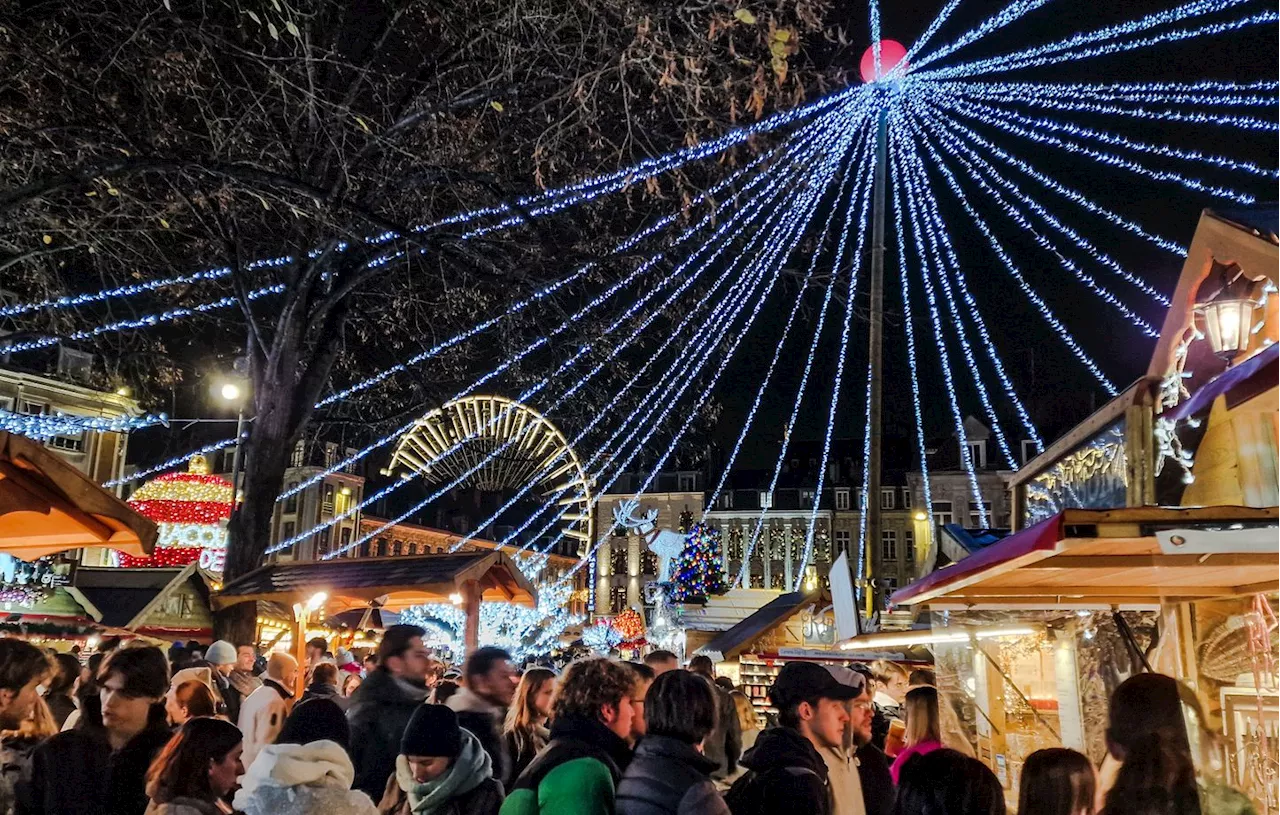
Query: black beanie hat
x,y
313,720
432,731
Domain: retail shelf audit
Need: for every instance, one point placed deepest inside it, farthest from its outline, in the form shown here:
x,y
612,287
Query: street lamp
x,y
232,392
1228,312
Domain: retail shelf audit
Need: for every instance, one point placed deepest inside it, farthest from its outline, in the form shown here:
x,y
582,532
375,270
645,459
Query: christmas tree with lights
x,y
696,573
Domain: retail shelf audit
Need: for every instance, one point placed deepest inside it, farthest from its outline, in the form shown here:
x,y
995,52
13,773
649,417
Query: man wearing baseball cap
x,y
786,769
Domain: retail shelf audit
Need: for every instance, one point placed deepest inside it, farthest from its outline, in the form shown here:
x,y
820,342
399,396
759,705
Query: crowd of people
x,y
217,730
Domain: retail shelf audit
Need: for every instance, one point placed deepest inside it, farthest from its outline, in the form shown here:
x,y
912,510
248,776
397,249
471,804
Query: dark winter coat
x,y
669,777
523,755
380,710
320,690
60,705
877,783
484,720
723,745
577,773
785,774
76,773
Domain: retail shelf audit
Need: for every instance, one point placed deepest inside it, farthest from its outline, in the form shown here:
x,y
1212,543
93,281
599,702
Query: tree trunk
x,y
266,458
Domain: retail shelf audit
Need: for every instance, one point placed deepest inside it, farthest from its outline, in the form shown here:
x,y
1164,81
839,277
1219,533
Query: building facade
x,y
66,387
622,563
333,496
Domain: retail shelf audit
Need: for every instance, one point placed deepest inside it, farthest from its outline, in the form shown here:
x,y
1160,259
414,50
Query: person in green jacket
x,y
577,772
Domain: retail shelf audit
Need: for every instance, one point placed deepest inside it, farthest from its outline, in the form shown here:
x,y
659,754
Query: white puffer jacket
x,y
301,779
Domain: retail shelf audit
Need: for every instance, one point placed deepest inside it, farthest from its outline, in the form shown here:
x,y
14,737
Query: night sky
x,y
1056,387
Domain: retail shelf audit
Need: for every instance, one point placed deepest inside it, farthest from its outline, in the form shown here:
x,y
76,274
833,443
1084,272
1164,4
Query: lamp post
x,y
1228,312
301,615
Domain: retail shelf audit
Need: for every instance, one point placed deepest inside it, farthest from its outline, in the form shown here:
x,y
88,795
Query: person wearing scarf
x,y
442,769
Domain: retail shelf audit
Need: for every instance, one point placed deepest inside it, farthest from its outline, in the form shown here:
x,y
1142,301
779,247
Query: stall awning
x,y
47,506
1089,558
728,644
406,581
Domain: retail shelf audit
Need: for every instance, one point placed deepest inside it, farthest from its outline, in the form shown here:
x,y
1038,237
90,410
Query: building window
x,y
74,365
617,599
618,560
906,498
326,504
688,482
766,500
909,545
34,408
975,517
291,503
886,497
842,500
942,513
757,581
286,530
1028,451
299,454
330,454
806,499
648,562
346,536
726,500
735,543
777,580
821,548
350,456
842,542
73,443
977,454
889,544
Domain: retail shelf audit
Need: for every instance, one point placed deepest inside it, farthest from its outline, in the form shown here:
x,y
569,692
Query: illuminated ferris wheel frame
x,y
494,443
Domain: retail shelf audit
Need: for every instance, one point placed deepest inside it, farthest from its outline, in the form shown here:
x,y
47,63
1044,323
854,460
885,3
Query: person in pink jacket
x,y
924,731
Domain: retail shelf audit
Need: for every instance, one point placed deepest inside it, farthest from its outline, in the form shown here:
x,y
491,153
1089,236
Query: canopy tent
x,y
391,582
1085,558
47,506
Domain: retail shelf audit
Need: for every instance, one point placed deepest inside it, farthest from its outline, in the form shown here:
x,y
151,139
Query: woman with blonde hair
x,y
924,729
526,730
747,719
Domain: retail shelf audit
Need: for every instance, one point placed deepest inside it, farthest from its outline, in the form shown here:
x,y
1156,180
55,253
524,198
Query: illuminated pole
x,y
875,348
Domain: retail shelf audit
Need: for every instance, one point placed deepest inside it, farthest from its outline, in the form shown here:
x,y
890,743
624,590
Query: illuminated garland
x,y
44,427
520,630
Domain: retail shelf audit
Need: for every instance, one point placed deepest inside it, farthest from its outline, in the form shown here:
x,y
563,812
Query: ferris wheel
x,y
496,444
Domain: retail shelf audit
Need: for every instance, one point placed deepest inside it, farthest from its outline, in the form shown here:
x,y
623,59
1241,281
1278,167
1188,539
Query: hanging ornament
x,y
191,511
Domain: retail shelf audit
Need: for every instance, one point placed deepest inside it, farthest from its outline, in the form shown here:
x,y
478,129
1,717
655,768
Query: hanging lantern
x,y
1228,311
191,510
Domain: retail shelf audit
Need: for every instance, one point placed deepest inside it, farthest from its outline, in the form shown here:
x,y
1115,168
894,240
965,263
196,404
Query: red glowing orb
x,y
891,54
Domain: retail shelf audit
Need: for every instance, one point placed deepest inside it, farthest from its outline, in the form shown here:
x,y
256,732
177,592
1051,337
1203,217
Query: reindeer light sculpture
x,y
665,543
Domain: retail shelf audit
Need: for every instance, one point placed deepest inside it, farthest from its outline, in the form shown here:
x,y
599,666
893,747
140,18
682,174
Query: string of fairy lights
x,y
958,132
